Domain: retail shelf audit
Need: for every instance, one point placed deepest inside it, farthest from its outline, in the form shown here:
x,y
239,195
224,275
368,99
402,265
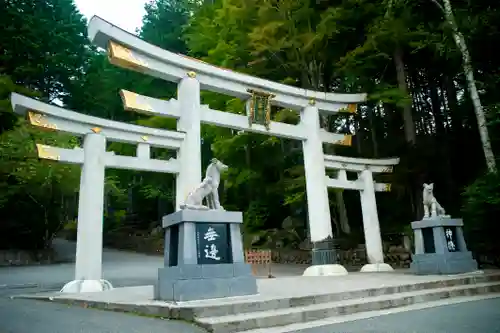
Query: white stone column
x,y
189,155
373,238
318,206
88,266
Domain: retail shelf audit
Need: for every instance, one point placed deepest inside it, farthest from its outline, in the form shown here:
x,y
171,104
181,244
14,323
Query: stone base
x,y
197,282
86,286
325,270
380,267
324,252
443,263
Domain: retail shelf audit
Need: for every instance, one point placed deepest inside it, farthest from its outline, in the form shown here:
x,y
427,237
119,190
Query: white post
x,y
143,151
318,206
88,266
373,239
189,155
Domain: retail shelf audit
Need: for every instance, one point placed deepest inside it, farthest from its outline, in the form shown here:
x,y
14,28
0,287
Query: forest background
x,y
402,53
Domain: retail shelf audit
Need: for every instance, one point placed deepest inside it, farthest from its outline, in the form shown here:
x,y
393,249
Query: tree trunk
x,y
452,102
436,108
409,126
471,83
373,131
343,219
340,205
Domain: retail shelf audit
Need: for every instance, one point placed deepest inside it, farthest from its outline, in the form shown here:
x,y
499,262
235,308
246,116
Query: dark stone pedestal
x,y
440,248
203,257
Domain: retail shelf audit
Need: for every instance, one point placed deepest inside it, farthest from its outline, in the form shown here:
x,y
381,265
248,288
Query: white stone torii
x,y
94,159
367,188
128,51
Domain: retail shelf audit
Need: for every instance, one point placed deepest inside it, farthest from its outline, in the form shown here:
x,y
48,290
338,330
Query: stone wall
x,y
396,256
20,258
138,243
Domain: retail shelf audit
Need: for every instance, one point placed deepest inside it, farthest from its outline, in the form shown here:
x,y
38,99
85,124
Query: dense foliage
x,y
402,53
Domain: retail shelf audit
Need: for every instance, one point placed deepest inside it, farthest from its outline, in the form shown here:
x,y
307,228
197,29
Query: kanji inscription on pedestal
x,y
213,244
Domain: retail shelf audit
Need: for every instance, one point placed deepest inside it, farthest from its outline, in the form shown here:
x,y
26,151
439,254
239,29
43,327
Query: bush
x,y
37,196
481,209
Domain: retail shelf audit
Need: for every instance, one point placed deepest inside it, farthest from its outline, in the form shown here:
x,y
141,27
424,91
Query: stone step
x,y
327,322
234,306
300,314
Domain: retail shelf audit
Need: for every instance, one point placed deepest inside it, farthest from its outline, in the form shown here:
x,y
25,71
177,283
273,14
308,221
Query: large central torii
x,y
128,51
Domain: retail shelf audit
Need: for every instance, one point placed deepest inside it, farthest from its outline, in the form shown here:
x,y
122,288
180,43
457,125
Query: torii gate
x,y
94,159
365,168
128,51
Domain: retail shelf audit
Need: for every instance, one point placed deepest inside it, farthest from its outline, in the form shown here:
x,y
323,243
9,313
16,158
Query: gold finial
x,y
352,108
191,74
144,138
312,101
96,130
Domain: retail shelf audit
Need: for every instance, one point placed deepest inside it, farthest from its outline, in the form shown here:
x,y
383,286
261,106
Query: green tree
x,y
163,24
37,197
97,93
43,45
447,10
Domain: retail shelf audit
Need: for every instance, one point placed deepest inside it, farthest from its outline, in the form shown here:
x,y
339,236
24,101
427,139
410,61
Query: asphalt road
x,y
32,316
471,317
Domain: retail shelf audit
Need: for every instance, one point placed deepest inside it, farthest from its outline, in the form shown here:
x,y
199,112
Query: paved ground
x,y
129,269
119,267
471,317
26,316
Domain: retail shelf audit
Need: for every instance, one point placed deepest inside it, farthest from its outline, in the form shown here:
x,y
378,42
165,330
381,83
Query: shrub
x,y
481,209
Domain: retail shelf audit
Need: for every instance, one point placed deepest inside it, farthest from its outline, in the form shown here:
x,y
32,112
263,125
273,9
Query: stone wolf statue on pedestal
x,y
208,189
432,208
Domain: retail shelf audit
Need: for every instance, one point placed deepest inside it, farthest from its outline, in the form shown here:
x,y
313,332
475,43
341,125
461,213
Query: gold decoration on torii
x,y
40,120
259,108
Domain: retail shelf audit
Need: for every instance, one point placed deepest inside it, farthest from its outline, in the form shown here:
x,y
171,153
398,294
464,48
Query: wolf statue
x,y
208,189
432,208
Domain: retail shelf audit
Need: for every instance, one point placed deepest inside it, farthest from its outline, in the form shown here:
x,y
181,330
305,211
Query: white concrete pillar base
x,y
86,286
380,267
325,270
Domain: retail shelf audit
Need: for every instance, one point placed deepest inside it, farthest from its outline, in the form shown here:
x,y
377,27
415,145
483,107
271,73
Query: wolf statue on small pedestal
x,y
439,241
203,248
